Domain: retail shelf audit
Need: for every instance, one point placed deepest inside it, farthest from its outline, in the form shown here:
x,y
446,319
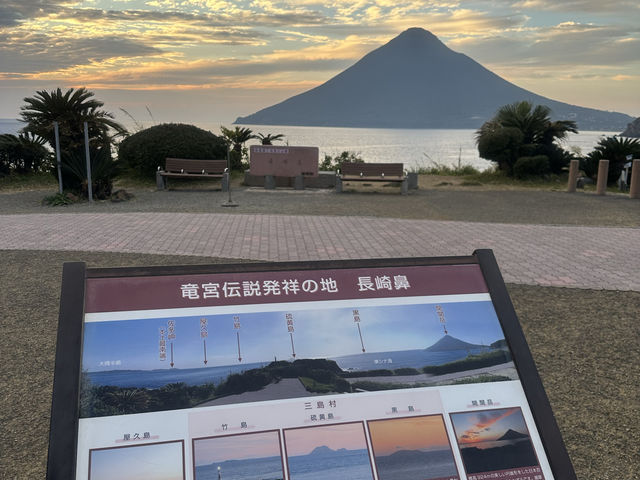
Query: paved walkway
x,y
583,257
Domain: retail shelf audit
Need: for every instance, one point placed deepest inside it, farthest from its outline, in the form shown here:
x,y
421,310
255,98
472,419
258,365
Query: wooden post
x,y
603,174
573,176
634,186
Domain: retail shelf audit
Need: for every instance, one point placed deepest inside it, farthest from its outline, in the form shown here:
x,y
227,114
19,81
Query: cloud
x,y
31,53
592,6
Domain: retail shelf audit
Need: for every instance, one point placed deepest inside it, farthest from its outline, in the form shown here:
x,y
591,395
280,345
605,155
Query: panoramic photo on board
x,y
135,366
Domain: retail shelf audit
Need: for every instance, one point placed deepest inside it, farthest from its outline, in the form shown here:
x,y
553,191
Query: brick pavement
x,y
582,257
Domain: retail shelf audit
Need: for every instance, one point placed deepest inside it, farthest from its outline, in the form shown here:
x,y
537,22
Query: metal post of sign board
x,y
229,202
87,156
57,137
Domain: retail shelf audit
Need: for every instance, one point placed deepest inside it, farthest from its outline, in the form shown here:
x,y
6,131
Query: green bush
x,y
103,171
24,153
335,163
526,167
614,149
146,150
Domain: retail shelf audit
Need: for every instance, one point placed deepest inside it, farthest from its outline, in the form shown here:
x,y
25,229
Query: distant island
x,y
416,81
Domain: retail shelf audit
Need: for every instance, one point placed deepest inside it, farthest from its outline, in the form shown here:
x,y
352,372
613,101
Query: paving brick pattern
x,y
568,256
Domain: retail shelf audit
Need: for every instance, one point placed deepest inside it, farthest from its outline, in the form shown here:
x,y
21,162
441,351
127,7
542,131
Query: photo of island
x,y
414,448
332,451
251,456
151,461
494,440
154,364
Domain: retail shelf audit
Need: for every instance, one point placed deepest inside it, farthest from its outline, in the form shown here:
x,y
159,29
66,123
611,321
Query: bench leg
x,y
404,188
338,185
161,182
225,182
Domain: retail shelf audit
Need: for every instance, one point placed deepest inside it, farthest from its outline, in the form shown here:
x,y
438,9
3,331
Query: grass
x,y
33,181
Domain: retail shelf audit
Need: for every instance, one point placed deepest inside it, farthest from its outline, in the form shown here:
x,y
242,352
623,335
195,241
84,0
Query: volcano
x,y
448,343
416,81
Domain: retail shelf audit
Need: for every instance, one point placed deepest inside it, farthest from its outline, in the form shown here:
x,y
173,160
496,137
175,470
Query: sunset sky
x,y
213,60
417,433
488,425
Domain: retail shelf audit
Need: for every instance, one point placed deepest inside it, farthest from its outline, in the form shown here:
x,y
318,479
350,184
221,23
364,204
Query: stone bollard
x,y
634,186
603,174
573,176
269,182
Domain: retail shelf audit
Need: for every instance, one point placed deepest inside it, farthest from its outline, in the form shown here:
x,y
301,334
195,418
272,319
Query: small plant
x,y
443,169
60,199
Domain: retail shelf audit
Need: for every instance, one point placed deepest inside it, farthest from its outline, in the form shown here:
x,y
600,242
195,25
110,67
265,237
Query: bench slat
x,y
195,167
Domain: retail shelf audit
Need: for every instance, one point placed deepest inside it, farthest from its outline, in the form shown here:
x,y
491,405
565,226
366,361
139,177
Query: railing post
x,y
573,176
634,186
603,174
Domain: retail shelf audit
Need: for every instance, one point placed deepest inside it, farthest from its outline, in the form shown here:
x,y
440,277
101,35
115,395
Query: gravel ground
x,y
585,343
479,204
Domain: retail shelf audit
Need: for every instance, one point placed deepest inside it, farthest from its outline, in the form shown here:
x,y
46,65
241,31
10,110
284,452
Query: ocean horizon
x,y
415,148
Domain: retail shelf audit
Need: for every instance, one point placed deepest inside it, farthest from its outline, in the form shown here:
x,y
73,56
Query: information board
x,y
372,369
283,161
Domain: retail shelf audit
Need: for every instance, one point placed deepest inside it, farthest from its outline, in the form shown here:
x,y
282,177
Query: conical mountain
x,y
512,435
448,342
416,81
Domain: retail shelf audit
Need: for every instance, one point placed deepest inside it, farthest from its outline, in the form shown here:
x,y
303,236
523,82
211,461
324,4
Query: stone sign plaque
x,y
283,161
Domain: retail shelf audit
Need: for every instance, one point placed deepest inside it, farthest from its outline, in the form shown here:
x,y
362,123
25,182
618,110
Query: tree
x,y
23,153
236,139
522,130
615,149
70,109
268,139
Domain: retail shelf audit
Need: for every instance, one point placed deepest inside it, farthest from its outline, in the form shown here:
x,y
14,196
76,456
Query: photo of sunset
x,y
492,440
415,448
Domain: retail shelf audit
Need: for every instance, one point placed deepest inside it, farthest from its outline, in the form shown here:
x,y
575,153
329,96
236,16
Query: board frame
x,y
63,436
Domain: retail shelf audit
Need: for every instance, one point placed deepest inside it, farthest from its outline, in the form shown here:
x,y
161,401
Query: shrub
x,y
146,150
103,170
24,153
614,149
335,163
526,167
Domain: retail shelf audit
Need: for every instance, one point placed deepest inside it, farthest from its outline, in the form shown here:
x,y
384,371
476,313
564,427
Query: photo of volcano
x,y
494,440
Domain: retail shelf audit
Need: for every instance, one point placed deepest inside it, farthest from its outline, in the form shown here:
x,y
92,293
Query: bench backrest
x,y
195,166
372,169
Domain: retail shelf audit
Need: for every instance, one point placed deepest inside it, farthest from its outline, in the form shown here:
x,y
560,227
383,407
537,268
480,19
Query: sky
x,y
236,447
163,461
210,61
415,433
318,333
302,441
488,425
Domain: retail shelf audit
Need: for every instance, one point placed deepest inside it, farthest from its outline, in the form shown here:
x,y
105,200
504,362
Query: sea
x,y
415,148
411,465
159,378
216,374
267,468
401,359
349,464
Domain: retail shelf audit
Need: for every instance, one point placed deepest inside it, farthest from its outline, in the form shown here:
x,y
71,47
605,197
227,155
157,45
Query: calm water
x,y
159,378
351,465
415,148
412,465
268,468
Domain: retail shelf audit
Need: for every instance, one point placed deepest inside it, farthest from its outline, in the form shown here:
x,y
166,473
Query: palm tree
x,y
236,139
520,129
268,139
70,109
615,149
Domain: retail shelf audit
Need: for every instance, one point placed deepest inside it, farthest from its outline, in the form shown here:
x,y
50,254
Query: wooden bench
x,y
190,168
372,172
